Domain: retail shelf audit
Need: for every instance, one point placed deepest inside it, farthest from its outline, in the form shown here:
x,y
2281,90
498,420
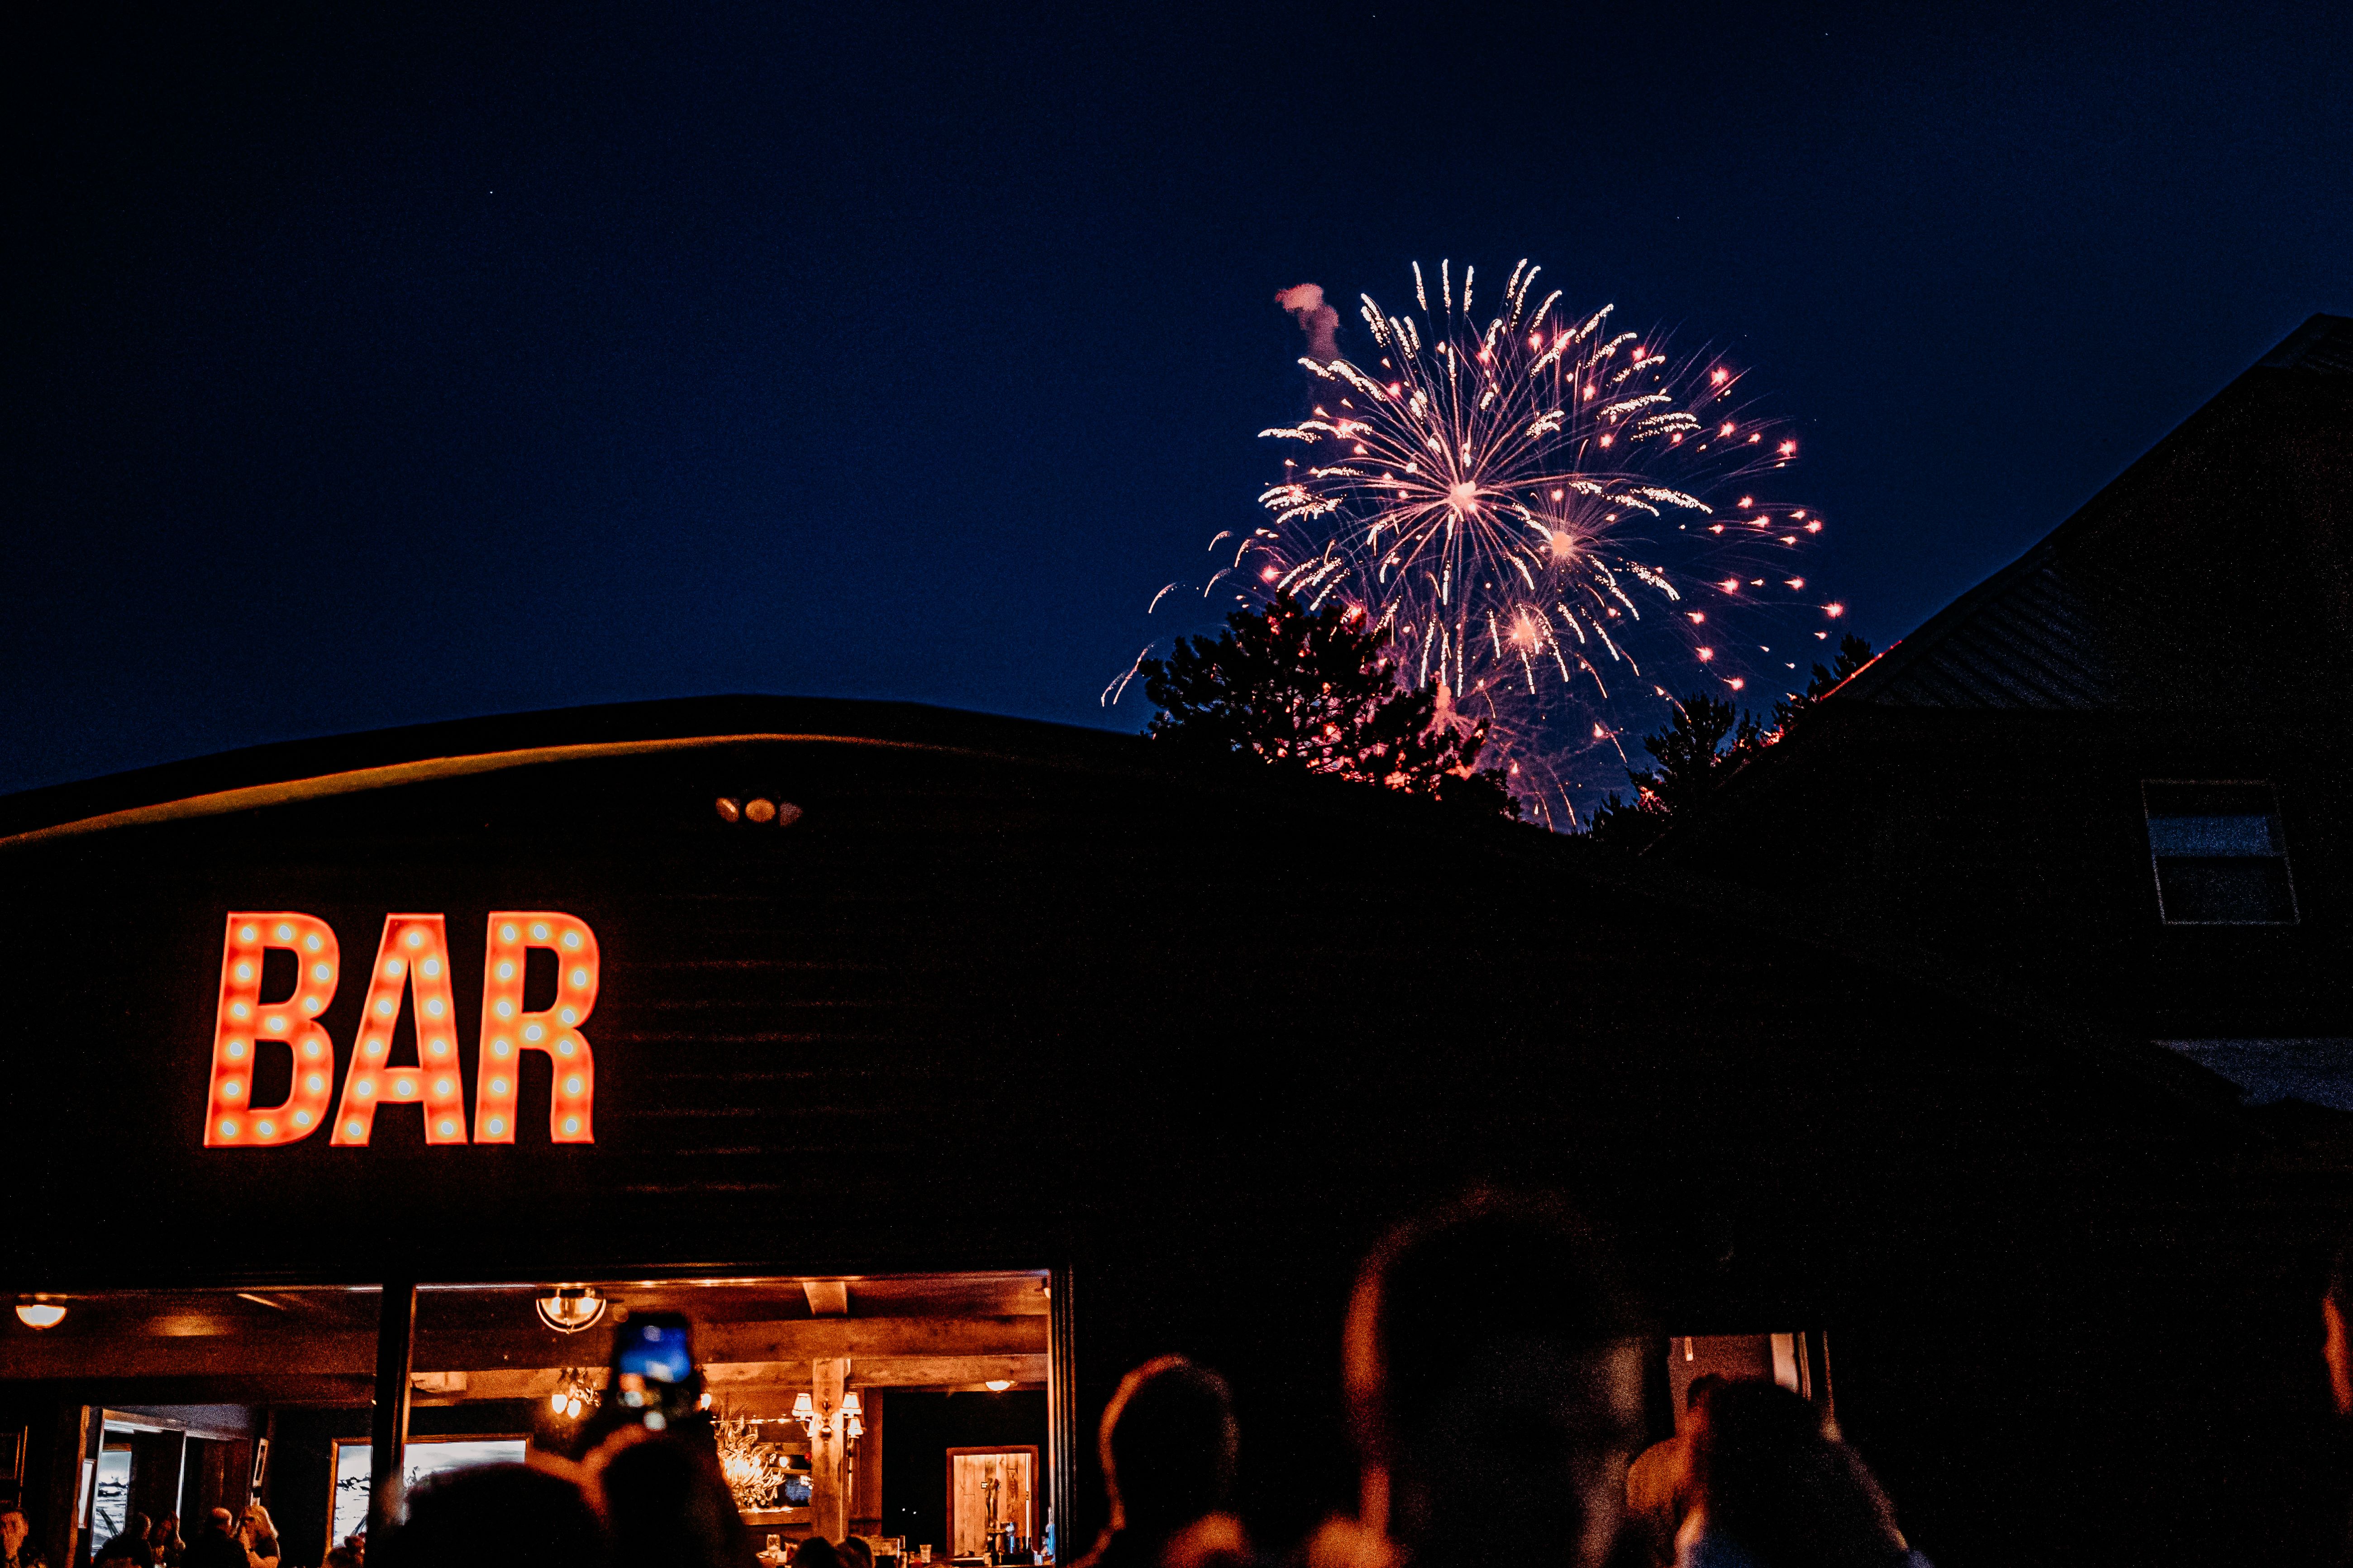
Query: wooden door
x,y
986,1484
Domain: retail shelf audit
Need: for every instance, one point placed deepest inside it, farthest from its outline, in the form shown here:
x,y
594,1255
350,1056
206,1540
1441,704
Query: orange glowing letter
x,y
414,958
247,1024
508,1031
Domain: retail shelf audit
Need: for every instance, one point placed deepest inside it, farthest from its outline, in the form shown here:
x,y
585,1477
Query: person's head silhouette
x,y
1494,1382
1771,1480
1168,1445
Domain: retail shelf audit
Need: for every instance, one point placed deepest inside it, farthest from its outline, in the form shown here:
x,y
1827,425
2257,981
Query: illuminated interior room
x,y
189,1401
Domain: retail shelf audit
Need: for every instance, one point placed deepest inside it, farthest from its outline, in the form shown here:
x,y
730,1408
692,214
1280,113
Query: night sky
x,y
370,369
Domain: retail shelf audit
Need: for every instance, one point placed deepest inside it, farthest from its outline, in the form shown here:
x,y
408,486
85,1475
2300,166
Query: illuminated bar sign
x,y
413,958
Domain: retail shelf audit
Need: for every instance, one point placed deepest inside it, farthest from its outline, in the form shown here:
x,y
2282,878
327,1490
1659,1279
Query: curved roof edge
x,y
290,771
339,765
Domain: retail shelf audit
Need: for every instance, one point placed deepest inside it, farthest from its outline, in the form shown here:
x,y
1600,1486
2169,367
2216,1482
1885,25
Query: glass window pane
x,y
2210,836
2237,891
2218,853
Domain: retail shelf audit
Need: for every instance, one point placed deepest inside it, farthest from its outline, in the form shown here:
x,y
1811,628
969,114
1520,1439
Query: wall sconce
x,y
817,1420
568,1308
40,1312
574,1393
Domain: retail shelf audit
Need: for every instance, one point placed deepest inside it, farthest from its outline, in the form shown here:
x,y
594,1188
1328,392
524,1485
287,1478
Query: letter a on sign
x,y
414,957
508,1031
247,1026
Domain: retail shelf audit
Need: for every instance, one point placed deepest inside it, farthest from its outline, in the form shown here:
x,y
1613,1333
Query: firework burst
x,y
1540,507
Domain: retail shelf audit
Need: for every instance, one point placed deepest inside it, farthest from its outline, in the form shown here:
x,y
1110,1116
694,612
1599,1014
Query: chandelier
x,y
755,1471
568,1308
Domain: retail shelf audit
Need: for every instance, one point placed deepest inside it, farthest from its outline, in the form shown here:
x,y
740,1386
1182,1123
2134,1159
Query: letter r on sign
x,y
508,1031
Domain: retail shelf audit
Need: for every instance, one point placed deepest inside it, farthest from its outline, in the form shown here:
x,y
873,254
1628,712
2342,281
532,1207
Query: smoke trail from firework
x,y
1319,321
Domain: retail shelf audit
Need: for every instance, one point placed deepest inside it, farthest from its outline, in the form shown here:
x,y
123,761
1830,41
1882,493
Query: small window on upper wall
x,y
2219,857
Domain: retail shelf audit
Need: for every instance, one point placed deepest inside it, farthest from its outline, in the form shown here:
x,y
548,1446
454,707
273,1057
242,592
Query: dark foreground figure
x,y
1168,1449
1492,1361
1773,1487
1493,1365
496,1515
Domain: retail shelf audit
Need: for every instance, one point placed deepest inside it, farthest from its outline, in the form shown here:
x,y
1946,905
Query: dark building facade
x,y
921,1054
2114,776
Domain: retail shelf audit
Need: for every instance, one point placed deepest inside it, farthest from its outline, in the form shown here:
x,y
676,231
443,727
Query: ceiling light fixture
x,y
568,1308
40,1312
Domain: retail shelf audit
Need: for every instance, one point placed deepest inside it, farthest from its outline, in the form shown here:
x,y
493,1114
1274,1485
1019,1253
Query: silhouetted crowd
x,y
1494,1382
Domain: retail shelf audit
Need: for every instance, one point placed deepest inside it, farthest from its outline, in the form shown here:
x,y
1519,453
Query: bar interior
x,y
907,1409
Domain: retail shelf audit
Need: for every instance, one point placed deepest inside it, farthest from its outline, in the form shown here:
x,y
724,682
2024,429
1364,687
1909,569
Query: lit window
x,y
2219,854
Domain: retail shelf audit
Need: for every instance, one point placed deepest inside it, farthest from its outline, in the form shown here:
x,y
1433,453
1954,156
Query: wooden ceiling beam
x,y
345,1353
742,1376
890,1370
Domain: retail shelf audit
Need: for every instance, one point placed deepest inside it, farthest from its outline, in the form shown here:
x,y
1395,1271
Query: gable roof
x,y
2091,618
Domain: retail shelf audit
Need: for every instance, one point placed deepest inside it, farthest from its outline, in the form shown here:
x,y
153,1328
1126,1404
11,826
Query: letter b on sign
x,y
245,1027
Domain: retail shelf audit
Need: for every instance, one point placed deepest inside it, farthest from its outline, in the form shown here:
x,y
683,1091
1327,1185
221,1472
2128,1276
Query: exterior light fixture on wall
x,y
40,1312
760,811
568,1308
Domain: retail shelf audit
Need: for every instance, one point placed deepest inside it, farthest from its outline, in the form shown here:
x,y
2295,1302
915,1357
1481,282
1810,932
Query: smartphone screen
x,y
653,1367
655,1346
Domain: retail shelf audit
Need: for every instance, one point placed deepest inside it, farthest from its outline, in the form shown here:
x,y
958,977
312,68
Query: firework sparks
x,y
1535,506
1499,493
1530,501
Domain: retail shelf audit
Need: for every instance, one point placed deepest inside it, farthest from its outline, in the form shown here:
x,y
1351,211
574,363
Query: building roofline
x,y
288,772
2290,356
377,759
1857,691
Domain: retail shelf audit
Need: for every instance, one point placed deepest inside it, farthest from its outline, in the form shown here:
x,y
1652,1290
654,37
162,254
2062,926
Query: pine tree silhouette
x,y
1316,692
1693,759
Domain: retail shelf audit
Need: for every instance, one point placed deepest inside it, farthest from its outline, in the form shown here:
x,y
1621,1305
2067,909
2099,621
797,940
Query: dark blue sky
x,y
372,369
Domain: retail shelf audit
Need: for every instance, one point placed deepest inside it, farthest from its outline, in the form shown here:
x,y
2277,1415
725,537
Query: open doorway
x,y
181,1402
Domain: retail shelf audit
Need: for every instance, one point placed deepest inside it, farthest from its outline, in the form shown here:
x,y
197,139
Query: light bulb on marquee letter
x,y
508,1031
247,1024
414,957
